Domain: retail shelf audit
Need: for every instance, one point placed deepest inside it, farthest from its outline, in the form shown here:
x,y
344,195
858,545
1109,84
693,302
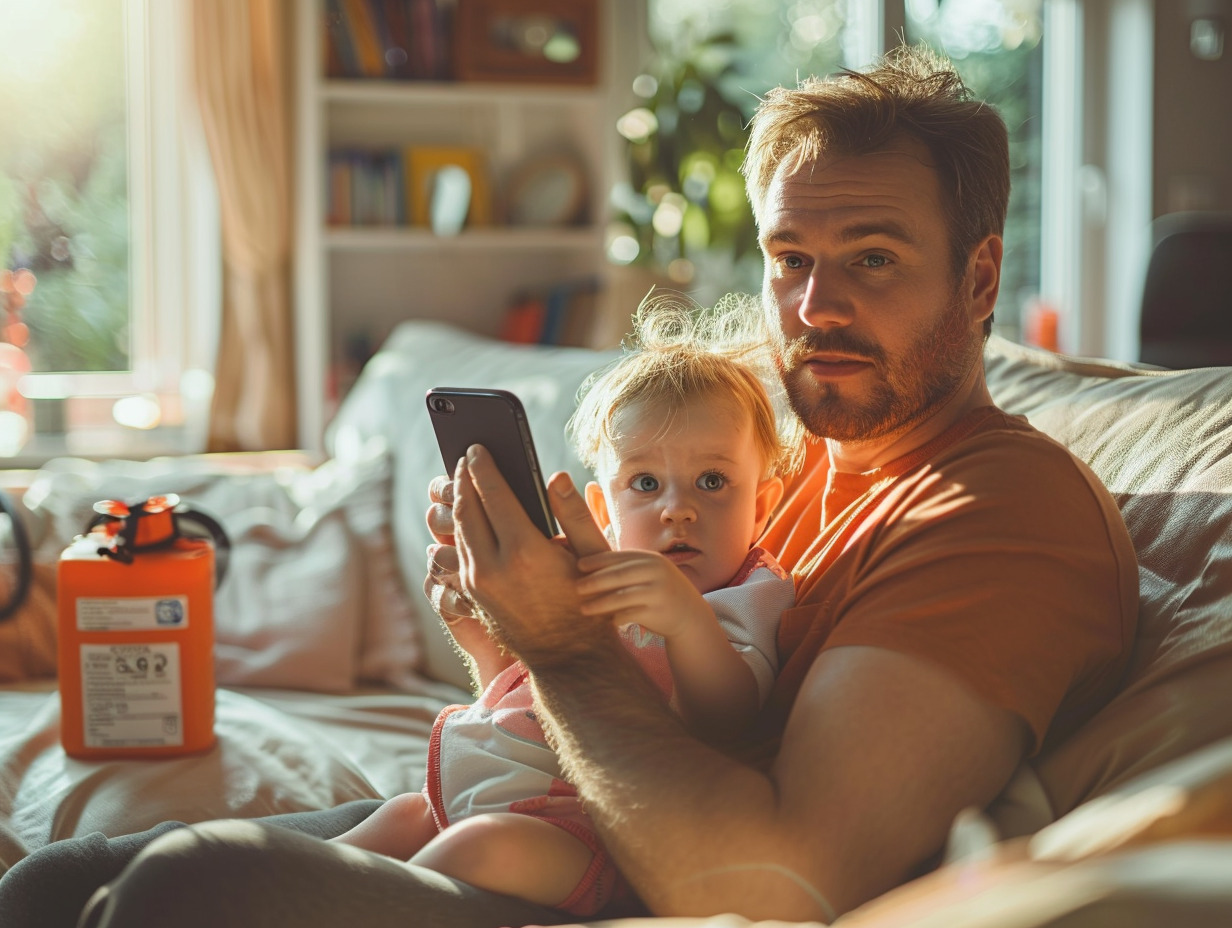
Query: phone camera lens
x,y
441,404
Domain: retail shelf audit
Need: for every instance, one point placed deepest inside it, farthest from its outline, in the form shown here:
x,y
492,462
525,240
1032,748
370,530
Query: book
x,y
523,320
361,25
389,39
396,36
562,313
339,49
578,326
429,39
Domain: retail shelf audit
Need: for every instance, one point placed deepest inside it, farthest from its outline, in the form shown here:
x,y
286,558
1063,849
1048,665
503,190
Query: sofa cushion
x,y
1162,443
388,400
312,584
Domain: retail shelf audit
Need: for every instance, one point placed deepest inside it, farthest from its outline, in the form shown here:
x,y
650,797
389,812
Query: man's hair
x,y
678,353
911,92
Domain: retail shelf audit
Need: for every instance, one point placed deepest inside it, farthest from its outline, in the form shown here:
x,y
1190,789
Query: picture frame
x,y
424,162
526,41
546,192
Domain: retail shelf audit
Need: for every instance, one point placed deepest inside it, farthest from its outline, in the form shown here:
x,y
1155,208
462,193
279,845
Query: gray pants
x,y
270,872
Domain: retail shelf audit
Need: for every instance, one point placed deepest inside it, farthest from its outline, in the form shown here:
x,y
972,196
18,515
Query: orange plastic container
x,y
136,648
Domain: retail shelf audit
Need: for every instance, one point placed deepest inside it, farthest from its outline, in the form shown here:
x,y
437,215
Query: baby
x,y
684,444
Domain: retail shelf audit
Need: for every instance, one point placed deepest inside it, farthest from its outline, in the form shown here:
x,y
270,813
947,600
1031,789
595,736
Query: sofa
x,y
331,667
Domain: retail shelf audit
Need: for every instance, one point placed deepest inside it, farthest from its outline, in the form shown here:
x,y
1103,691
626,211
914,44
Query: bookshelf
x,y
357,277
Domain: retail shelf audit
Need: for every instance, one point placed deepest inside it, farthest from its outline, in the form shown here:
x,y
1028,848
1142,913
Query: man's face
x,y
876,333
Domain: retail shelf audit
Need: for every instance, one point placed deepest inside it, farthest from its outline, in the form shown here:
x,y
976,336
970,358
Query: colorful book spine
x,y
390,39
339,47
362,26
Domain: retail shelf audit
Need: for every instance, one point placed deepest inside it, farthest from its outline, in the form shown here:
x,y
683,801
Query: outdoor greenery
x,y
63,180
684,203
1001,59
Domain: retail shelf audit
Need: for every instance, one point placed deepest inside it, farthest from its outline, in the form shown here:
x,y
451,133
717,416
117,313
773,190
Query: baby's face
x,y
689,492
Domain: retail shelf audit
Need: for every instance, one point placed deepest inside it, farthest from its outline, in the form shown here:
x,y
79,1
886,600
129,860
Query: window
x,y
998,49
108,234
1037,61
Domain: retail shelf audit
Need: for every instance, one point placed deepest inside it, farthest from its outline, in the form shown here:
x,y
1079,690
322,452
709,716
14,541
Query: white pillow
x,y
312,572
388,400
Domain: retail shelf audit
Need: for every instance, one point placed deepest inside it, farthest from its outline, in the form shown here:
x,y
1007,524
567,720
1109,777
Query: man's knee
x,y
195,875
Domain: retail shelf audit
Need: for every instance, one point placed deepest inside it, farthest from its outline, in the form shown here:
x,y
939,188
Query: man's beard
x,y
909,389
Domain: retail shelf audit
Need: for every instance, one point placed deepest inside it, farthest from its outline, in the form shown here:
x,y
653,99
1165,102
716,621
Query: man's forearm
x,y
694,831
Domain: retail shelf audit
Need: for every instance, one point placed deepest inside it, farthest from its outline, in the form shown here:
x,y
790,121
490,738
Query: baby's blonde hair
x,y
678,352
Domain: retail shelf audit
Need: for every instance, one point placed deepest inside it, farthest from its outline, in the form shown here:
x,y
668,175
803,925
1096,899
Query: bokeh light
x,y
138,412
637,125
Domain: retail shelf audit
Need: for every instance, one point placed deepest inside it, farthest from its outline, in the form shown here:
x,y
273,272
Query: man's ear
x,y
769,493
986,278
598,505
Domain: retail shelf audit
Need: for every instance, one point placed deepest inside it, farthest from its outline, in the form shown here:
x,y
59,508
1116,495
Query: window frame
x,y
175,261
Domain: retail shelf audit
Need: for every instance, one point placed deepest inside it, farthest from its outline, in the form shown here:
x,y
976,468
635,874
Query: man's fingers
x,y
450,604
443,565
440,513
574,518
472,526
440,489
499,502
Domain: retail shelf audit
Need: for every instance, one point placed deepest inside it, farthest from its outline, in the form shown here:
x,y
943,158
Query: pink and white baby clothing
x,y
491,756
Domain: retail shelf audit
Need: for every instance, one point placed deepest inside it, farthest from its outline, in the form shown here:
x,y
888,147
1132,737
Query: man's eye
x,y
645,483
711,481
876,261
793,261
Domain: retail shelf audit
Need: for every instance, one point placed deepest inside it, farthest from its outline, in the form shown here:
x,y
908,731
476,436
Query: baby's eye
x,y
711,481
645,483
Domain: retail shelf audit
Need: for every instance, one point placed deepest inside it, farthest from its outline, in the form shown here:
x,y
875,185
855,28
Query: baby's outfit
x,y
491,756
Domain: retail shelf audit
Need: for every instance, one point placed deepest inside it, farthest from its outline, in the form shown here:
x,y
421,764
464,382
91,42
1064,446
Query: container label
x,y
131,695
128,613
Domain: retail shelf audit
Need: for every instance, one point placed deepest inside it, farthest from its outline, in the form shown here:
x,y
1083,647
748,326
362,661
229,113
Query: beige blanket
x,y
277,751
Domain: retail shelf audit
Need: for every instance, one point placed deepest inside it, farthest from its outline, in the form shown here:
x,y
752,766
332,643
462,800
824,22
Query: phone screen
x,y
462,417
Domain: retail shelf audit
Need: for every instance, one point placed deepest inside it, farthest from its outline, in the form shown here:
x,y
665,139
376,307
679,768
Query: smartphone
x,y
462,417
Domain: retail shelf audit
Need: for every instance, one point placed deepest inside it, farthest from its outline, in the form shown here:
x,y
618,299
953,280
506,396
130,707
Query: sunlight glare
x,y
34,32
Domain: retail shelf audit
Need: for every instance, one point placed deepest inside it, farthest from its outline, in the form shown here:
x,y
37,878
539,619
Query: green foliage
x,y
1002,63
64,179
691,158
79,312
712,60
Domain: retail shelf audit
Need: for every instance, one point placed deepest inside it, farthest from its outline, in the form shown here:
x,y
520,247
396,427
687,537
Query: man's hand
x,y
459,615
524,582
442,585
642,587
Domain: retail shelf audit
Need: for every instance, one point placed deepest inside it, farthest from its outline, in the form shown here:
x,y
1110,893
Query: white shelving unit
x,y
360,282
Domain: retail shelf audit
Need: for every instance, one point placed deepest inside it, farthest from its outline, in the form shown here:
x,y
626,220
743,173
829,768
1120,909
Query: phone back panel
x,y
496,420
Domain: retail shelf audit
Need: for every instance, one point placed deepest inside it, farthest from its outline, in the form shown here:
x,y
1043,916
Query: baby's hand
x,y
642,587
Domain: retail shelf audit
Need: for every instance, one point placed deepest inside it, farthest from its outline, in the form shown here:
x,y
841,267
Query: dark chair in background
x,y
1187,296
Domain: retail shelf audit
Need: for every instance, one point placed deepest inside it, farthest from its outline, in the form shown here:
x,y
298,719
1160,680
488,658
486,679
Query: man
x,y
965,587
962,581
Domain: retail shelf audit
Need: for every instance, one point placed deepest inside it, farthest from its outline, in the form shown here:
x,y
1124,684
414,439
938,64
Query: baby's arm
x,y
715,688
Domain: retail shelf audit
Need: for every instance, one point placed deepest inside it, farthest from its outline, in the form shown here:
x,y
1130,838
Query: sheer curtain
x,y
241,50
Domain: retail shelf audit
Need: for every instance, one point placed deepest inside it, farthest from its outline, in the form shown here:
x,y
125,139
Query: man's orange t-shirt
x,y
991,550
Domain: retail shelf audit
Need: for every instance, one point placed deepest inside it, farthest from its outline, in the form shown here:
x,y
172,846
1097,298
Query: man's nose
x,y
824,303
